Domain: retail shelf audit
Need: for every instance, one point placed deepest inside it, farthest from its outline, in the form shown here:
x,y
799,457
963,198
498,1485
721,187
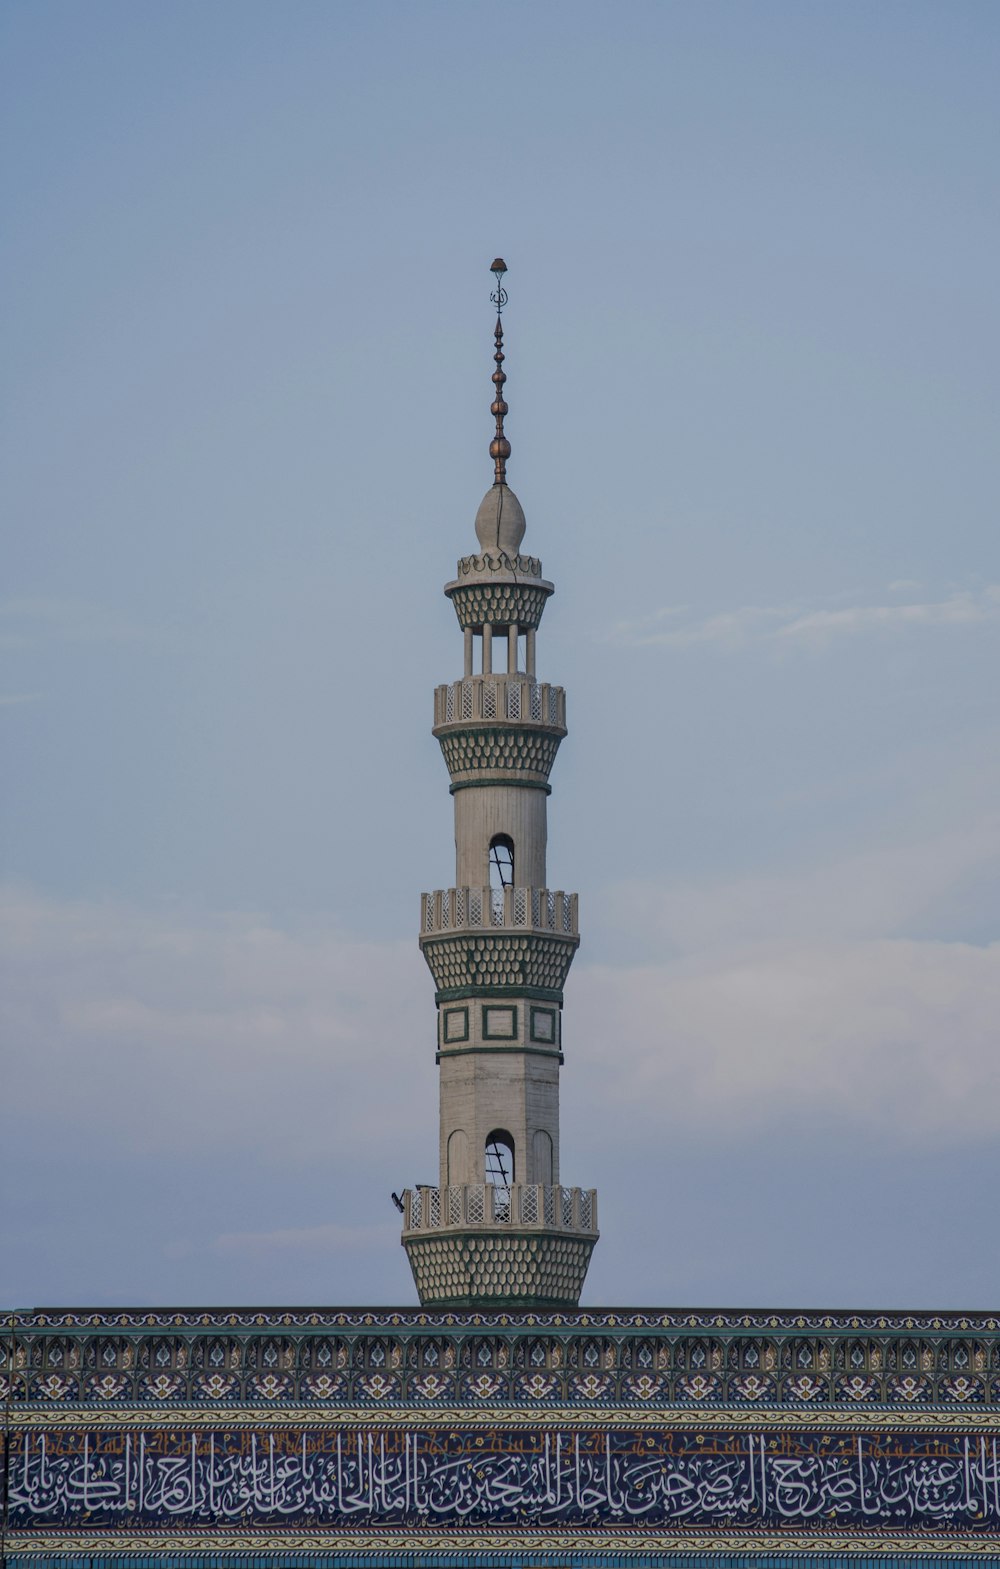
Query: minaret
x,y
499,1229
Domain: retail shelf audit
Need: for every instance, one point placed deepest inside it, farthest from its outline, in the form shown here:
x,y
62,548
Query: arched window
x,y
501,871
500,1159
501,862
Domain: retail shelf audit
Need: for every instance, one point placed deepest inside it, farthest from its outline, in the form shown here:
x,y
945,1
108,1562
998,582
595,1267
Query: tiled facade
x,y
404,1437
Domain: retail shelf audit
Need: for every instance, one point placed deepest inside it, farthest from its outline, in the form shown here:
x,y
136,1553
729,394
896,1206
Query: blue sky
x,y
752,349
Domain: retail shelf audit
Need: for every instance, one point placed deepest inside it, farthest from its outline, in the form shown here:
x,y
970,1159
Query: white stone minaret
x,y
499,1228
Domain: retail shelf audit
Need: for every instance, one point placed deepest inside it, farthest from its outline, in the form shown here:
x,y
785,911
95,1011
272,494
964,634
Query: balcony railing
x,y
527,909
530,1206
516,698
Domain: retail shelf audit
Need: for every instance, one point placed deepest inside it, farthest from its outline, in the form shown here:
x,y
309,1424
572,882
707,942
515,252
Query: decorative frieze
x,y
658,1359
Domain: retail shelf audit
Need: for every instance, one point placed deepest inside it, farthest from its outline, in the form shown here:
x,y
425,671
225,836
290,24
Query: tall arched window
x,y
501,871
501,862
500,1158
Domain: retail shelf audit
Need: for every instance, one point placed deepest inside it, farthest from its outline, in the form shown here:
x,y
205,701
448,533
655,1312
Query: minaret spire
x,y
499,446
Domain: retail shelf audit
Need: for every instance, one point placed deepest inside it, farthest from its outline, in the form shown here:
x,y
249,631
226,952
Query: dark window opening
x,y
500,1159
501,862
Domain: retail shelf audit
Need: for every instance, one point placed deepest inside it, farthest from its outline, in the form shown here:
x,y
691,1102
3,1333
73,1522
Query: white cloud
x,y
882,892
807,996
679,627
163,1033
728,629
897,1039
956,610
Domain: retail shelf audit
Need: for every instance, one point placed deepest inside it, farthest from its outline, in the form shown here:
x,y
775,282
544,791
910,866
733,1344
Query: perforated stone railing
x,y
479,699
512,909
521,1206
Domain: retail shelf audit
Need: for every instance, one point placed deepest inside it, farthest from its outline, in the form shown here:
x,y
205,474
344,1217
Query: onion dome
x,y
500,521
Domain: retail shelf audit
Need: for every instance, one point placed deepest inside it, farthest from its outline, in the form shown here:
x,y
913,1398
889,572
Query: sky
x,y
752,347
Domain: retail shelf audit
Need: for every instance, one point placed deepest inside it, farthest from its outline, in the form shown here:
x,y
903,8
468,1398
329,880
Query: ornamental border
x,y
980,1548
699,1321
859,1419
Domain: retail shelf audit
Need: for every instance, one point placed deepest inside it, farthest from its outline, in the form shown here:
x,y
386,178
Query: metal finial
x,y
499,446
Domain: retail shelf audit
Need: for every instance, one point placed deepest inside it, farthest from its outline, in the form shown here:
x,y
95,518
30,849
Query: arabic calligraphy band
x,y
385,1476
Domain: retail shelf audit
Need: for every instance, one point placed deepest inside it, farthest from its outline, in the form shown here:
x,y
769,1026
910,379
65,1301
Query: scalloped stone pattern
x,y
522,1271
500,604
521,752
479,567
501,960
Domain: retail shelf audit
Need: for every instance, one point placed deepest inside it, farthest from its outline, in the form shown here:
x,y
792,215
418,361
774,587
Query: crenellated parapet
x,y
533,909
528,1206
516,699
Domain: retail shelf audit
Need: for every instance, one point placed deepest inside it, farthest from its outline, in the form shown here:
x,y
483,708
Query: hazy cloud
x,y
809,995
885,891
31,622
896,1038
161,1032
680,627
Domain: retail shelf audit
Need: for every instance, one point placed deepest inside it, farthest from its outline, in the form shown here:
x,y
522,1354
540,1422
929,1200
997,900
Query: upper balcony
x,y
512,699
509,909
519,1206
